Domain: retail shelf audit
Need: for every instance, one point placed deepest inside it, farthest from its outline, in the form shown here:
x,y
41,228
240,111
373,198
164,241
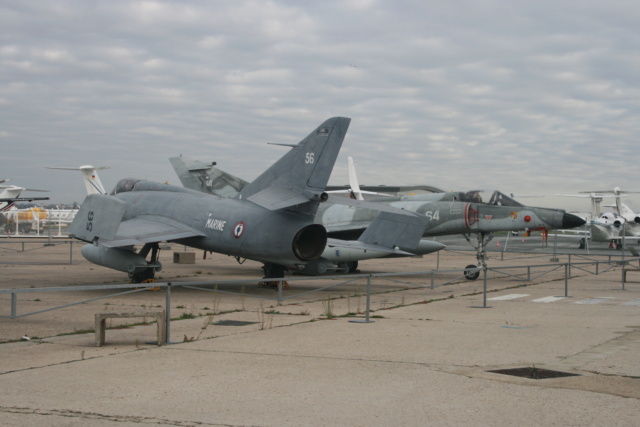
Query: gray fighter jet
x,y
465,213
270,220
479,213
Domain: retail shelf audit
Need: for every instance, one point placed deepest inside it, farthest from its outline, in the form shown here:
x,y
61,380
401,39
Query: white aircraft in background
x,y
355,192
90,177
631,218
624,217
92,184
17,220
609,226
11,194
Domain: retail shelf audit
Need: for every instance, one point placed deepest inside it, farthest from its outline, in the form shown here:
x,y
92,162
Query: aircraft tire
x,y
352,267
471,275
146,274
273,271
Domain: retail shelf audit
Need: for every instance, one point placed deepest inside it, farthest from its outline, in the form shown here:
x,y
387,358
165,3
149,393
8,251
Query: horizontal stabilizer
x,y
274,198
395,230
98,217
22,199
149,229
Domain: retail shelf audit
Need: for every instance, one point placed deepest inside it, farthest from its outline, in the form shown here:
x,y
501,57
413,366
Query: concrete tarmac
x,y
234,360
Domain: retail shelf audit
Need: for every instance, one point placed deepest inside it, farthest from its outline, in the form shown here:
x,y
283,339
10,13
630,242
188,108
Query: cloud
x,y
533,97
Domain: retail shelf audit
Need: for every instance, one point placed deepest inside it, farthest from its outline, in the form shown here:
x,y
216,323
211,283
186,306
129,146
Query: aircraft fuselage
x,y
451,217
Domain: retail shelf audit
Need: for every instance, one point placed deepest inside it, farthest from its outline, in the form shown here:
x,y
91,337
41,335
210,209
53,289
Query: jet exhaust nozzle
x,y
309,243
316,196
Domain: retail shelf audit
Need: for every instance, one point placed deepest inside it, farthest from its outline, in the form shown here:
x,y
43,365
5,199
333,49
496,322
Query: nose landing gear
x,y
481,255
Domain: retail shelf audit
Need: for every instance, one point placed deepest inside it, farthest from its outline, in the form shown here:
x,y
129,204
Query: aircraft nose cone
x,y
572,221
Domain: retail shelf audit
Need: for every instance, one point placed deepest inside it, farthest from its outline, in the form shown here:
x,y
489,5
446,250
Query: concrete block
x,y
158,316
184,257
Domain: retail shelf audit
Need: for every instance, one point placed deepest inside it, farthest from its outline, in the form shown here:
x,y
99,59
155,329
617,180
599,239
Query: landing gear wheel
x,y
273,271
471,275
145,276
146,282
352,267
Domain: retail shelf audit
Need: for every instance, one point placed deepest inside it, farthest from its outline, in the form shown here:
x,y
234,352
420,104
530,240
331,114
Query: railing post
x,y
368,309
566,280
368,298
70,252
167,312
484,291
14,305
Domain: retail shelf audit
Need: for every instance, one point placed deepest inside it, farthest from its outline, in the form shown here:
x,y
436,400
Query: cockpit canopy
x,y
124,185
488,197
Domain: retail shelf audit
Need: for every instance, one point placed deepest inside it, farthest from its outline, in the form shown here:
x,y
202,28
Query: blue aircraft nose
x,y
572,221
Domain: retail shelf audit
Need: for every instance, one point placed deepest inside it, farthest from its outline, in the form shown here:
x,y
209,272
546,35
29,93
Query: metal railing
x,y
20,245
405,279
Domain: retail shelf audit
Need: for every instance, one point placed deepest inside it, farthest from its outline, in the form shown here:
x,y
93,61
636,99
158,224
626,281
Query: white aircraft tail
x,y
353,180
10,194
7,195
90,177
356,191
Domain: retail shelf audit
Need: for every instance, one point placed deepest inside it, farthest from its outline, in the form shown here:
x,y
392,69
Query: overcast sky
x,y
530,97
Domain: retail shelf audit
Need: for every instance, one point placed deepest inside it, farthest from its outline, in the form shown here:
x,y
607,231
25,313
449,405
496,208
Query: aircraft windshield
x,y
124,185
495,198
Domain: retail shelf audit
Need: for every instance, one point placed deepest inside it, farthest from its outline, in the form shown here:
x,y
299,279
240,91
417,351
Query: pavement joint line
x,y
303,356
66,362
67,413
604,349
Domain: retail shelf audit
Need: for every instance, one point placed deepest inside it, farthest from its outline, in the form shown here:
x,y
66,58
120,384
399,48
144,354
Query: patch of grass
x,y
265,318
328,308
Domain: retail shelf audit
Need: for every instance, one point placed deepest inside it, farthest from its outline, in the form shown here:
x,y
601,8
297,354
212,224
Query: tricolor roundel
x,y
238,229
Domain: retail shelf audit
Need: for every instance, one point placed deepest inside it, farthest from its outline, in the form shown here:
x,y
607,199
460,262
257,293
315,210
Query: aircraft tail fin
x,y
99,217
90,177
302,174
206,178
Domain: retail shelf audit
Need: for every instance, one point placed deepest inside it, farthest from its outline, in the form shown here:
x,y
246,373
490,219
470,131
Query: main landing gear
x,y
147,275
273,271
481,254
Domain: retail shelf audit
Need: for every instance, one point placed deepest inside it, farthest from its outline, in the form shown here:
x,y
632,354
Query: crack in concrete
x,y
603,350
116,418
